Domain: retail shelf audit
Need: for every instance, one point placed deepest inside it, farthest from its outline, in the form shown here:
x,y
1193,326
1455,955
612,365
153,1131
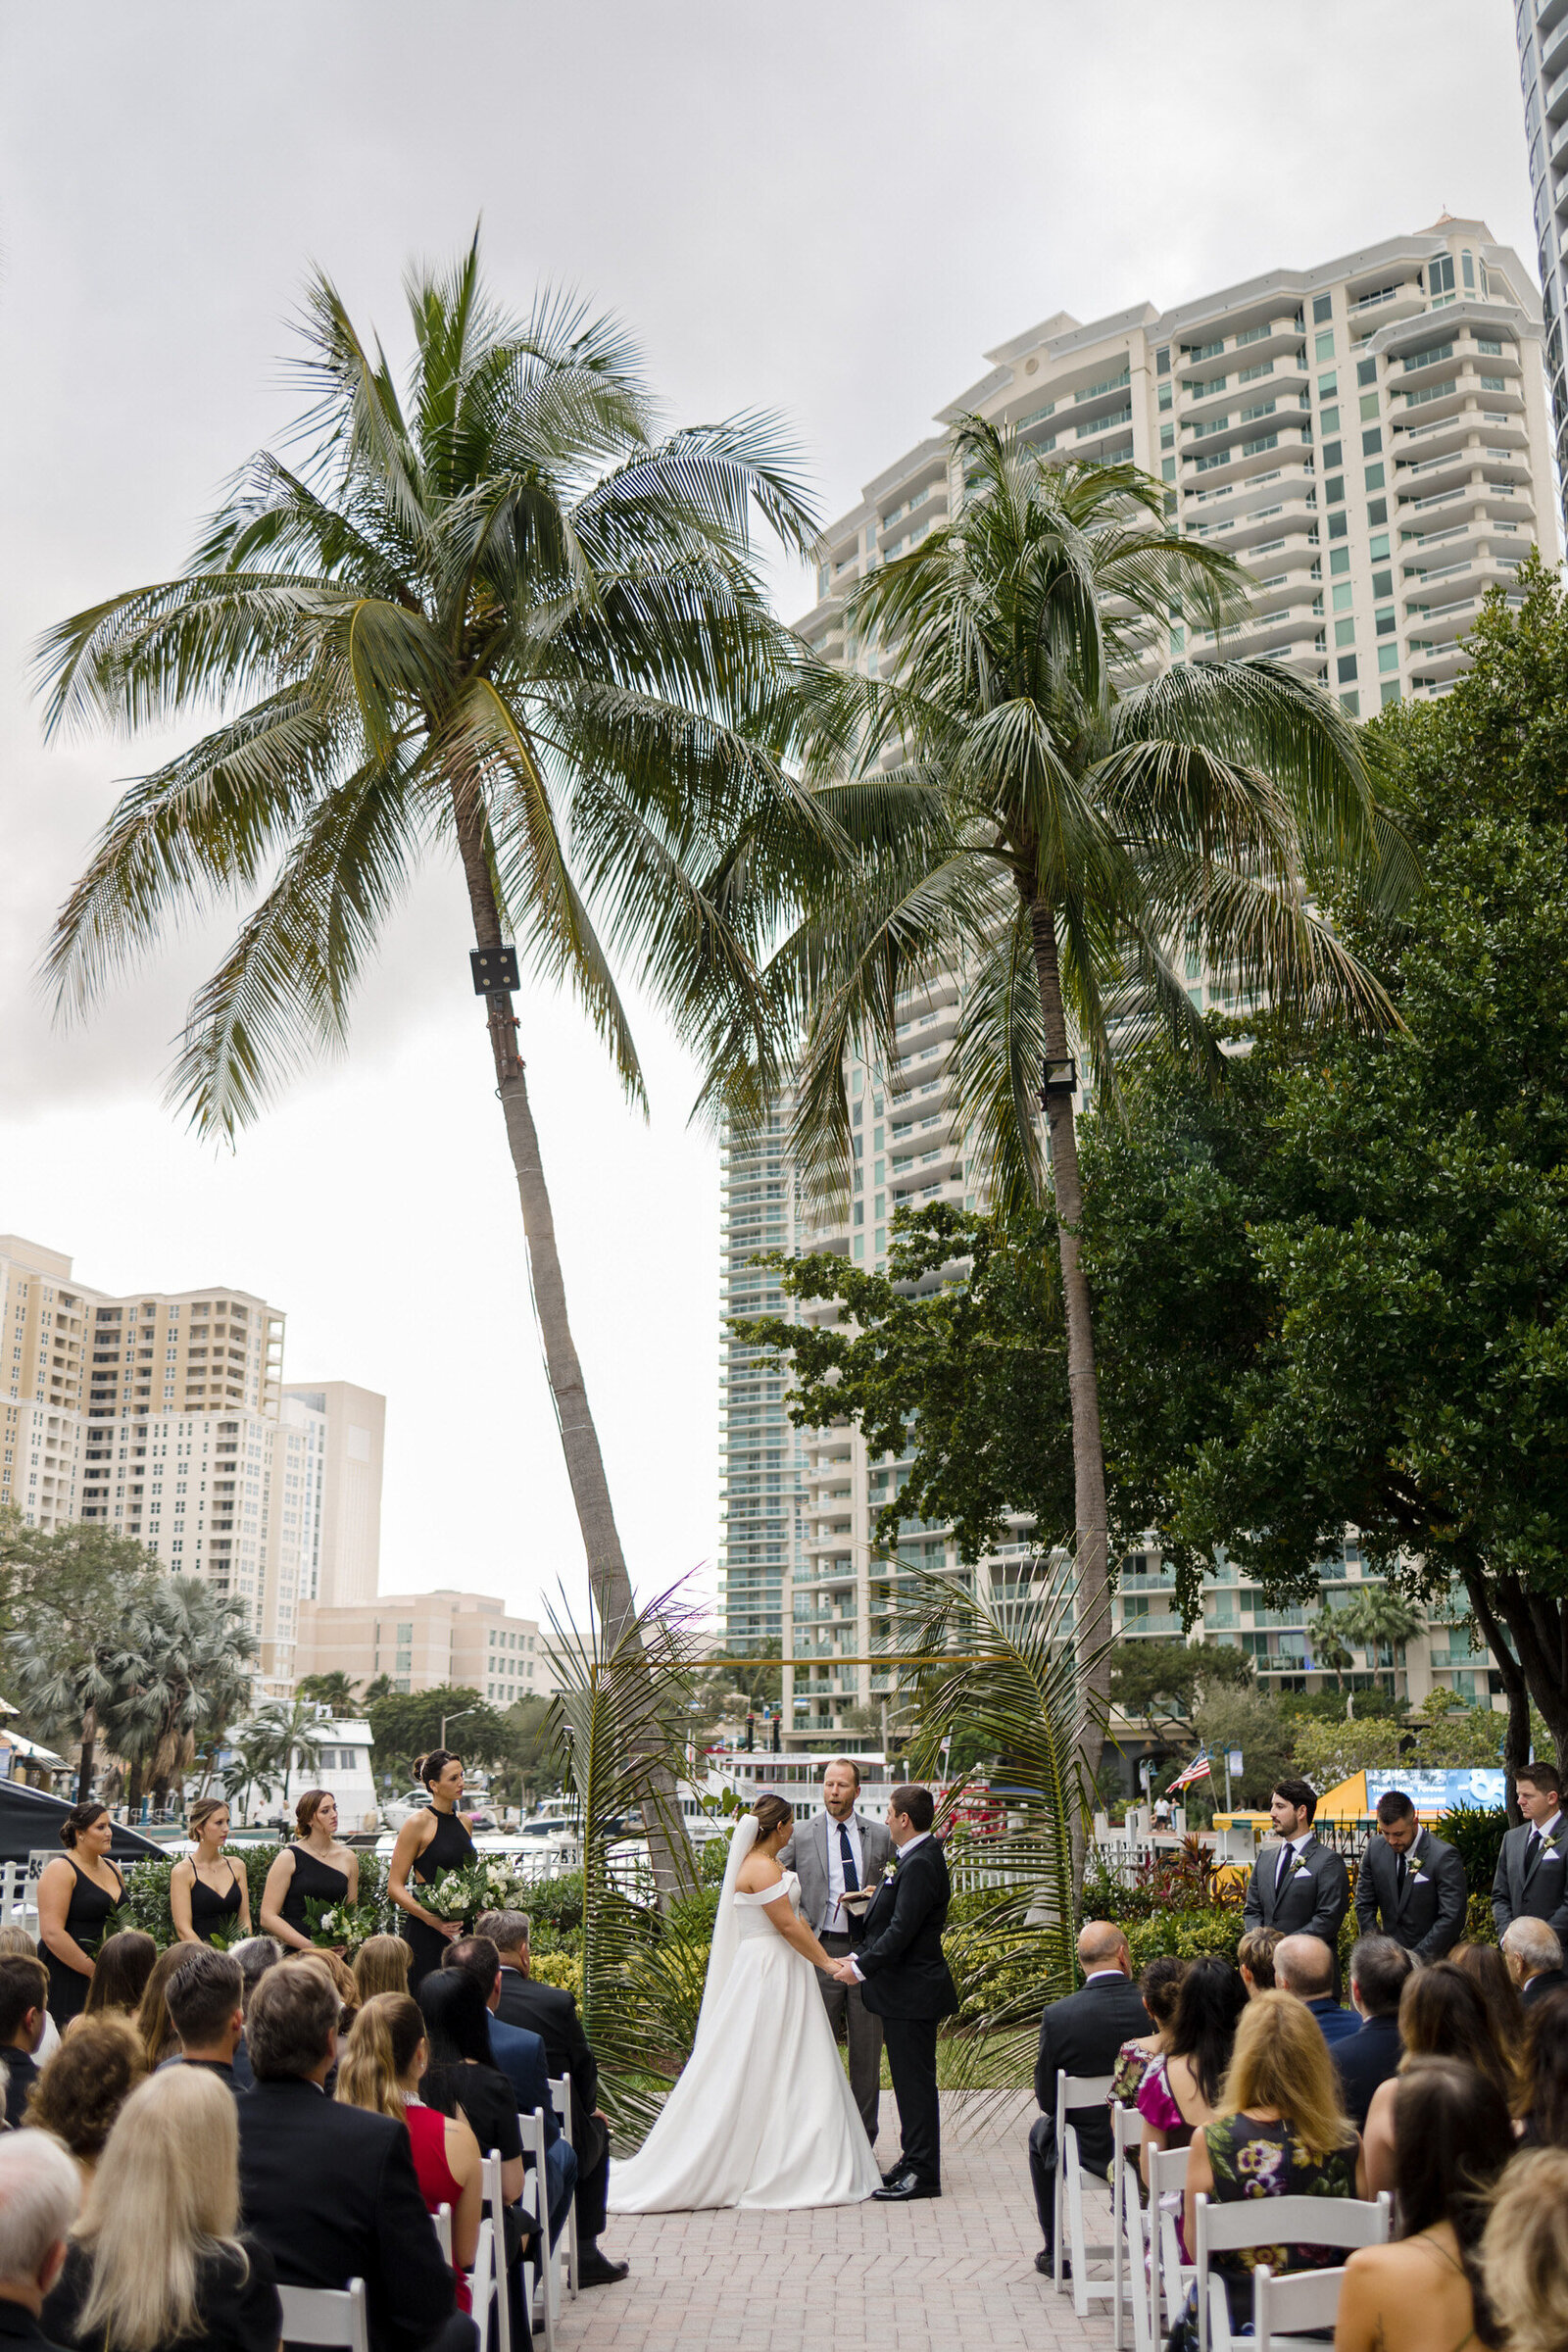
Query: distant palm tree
x,y
336,1691
1070,822
1378,1619
287,1733
1332,1652
178,1672
499,619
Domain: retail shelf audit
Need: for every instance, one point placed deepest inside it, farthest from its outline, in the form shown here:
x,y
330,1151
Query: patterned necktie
x,y
852,1876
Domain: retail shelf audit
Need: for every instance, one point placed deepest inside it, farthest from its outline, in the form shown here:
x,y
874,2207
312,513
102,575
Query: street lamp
x,y
457,1717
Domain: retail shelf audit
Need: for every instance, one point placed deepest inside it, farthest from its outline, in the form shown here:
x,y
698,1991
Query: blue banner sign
x,y
1435,1793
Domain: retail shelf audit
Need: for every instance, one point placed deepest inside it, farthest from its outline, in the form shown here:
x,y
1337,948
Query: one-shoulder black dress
x,y
314,1882
215,1914
451,1848
85,1913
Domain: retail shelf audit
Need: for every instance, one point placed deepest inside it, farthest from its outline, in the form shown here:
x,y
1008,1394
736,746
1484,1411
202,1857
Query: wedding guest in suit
x,y
521,2056
898,1960
1298,1886
839,1852
1534,1956
328,2189
1304,1965
1442,2015
207,2010
23,2006
1532,1879
1082,2035
1411,1882
39,2199
1542,2100
1379,1969
80,2091
550,2012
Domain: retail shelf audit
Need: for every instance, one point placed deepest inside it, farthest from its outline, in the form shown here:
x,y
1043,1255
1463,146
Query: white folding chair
x,y
1167,2178
542,2275
1138,2252
482,2288
1299,2304
1127,2131
1075,2092
490,2180
326,2315
560,2099
1273,2221
443,2231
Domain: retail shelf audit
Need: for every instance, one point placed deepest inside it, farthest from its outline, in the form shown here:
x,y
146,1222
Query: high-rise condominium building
x,y
1370,438
163,1416
421,1641
758,1450
1542,27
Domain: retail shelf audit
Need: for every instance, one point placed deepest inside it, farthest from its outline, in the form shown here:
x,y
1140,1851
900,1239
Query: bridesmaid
x,y
76,1893
206,1890
429,1843
315,1868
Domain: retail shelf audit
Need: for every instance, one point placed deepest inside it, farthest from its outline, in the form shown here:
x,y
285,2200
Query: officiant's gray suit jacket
x,y
806,1855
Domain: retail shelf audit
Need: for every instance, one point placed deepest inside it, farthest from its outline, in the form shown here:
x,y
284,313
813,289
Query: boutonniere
x,y
890,1873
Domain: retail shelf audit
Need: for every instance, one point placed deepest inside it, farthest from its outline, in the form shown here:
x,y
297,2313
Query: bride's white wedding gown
x,y
762,2116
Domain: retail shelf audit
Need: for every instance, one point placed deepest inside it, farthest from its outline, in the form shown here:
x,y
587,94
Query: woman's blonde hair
x,y
383,2045
153,2022
165,2192
342,1976
1523,2260
381,1965
1282,2061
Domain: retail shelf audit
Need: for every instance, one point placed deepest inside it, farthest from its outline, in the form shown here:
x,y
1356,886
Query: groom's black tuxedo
x,y
898,1950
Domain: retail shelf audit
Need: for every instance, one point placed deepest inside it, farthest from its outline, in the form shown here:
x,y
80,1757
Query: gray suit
x,y
1313,1901
1429,1919
1537,1892
806,1855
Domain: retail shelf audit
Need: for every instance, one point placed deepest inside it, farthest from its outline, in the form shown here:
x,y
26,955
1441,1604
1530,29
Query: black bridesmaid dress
x,y
85,1913
215,1914
451,1848
313,1882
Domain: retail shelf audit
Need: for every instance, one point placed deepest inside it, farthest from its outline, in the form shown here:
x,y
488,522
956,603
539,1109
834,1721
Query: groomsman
x,y
833,1856
1410,1884
1300,1885
1533,1865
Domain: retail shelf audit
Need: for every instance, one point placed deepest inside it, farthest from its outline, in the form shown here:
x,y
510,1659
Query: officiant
x,y
839,1852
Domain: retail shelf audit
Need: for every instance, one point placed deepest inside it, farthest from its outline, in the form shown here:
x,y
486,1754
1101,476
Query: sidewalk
x,y
956,2276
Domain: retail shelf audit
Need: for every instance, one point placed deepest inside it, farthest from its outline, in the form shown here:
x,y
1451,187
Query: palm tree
x,y
1066,821
1329,1647
500,619
1378,1619
336,1691
286,1733
180,1674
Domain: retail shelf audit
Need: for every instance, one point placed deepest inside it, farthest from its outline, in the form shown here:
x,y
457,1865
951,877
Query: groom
x,y
898,1960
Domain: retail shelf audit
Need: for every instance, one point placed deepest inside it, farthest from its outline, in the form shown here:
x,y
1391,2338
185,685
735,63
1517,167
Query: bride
x,y
763,2114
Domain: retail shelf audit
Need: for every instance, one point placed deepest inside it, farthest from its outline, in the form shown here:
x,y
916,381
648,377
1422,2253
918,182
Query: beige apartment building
x,y
1371,438
423,1640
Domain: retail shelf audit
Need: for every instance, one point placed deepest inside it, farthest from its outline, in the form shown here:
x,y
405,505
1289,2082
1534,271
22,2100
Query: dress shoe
x,y
1047,2267
905,2190
597,2269
898,2173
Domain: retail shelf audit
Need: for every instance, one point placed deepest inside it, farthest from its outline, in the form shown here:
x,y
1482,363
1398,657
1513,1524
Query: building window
x,y
1347,669
1333,453
1388,656
1322,308
1323,346
1375,476
1333,496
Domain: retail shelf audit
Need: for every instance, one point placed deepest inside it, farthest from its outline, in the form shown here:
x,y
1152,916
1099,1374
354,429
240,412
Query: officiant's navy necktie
x,y
852,1876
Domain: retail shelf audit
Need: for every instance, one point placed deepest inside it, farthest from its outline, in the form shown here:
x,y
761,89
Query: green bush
x,y
1476,1832
1187,1933
555,1908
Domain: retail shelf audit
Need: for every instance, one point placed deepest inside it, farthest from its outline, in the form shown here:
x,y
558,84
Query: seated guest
x,y
1279,2133
1379,1969
39,2198
1543,2073
328,2189
1081,2035
1158,1985
381,1965
255,1956
207,2010
119,1974
462,2078
158,2263
23,2006
1535,1959
153,2020
1304,1965
550,2012
1442,2015
1453,2137
521,2056
1181,2089
342,1976
1254,1957
381,2070
1524,2253
1489,1971
17,1944
83,2086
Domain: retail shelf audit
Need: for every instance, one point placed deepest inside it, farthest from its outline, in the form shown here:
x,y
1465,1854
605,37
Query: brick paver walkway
x,y
956,2276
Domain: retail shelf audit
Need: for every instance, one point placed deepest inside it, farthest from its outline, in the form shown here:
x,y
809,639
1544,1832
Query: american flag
x,y
1199,1769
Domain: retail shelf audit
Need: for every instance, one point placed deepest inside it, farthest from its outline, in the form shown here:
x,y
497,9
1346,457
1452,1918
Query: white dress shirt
x,y
835,1923
1293,1846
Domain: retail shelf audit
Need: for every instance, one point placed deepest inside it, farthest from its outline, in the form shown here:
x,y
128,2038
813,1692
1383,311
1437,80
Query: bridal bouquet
x,y
489,1884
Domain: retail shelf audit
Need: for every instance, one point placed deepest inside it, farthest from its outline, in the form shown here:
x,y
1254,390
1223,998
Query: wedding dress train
x,y
762,2116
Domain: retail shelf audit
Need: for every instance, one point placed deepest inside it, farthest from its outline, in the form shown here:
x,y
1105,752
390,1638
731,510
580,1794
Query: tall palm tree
x,y
1039,797
1378,1619
180,1674
286,1733
498,619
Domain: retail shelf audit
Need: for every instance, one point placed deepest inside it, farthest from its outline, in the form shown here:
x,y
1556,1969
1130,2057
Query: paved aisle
x,y
955,2276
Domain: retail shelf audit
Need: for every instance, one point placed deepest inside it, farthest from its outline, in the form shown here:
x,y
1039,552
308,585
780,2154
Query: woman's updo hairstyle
x,y
79,1818
310,1804
771,1814
202,1811
429,1769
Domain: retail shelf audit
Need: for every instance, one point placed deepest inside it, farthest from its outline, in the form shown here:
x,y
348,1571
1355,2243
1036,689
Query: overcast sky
x,y
831,210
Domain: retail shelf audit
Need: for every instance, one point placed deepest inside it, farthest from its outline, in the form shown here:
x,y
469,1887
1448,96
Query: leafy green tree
x,y
65,1598
1158,1680
406,1724
1242,1716
495,616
